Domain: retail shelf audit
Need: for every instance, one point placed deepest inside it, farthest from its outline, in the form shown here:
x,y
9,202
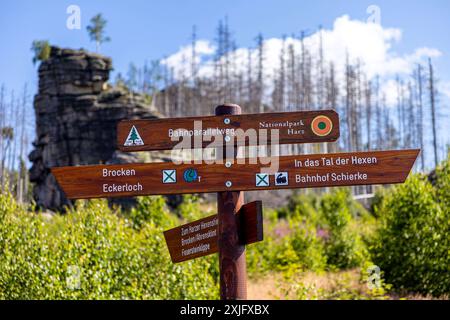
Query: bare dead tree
x,y
2,126
250,92
432,92
349,102
332,94
260,72
291,76
321,74
368,100
22,168
411,117
419,83
378,113
356,107
14,125
193,100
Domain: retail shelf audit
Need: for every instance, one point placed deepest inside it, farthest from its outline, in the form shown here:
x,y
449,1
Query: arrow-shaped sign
x,y
298,171
254,129
200,238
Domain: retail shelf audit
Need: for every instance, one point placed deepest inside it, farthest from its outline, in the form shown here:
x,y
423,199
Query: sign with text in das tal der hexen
x,y
302,171
291,127
200,238
236,224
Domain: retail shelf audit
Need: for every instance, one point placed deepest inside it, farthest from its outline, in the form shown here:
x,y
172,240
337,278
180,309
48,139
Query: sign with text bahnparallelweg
x,y
254,129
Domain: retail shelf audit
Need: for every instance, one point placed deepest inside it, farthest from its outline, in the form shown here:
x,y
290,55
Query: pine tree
x,y
96,31
134,136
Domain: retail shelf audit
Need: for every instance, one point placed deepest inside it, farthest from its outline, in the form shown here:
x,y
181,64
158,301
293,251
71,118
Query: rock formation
x,y
76,116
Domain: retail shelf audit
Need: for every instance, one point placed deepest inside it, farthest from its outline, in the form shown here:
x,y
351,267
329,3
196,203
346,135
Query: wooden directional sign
x,y
200,238
231,177
298,171
164,134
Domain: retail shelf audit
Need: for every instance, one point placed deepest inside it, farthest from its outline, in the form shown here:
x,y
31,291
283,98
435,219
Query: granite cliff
x,y
76,115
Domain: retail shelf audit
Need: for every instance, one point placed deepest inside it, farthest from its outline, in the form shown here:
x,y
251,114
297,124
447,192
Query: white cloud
x,y
181,60
370,43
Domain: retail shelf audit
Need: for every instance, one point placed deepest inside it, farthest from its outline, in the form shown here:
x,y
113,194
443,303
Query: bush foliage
x,y
94,252
412,245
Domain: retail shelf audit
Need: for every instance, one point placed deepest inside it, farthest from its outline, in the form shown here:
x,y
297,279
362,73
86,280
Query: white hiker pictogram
x,y
133,139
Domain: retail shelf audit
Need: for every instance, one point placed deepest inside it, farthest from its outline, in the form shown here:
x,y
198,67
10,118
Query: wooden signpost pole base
x,y
232,264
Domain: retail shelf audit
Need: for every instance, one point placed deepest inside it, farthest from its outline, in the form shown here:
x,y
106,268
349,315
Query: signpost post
x,y
232,264
236,224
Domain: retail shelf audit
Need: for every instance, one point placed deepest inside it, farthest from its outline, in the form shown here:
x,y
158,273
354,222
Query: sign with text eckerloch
x,y
297,171
165,134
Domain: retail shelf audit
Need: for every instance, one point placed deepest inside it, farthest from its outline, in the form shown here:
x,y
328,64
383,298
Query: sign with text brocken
x,y
164,134
298,171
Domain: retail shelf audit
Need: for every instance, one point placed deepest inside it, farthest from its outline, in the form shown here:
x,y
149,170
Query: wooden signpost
x,y
236,224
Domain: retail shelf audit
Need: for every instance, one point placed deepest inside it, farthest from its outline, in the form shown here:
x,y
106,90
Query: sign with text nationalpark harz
x,y
253,129
297,171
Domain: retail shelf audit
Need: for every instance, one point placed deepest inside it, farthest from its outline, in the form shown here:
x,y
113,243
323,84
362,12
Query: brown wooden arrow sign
x,y
200,238
198,132
298,171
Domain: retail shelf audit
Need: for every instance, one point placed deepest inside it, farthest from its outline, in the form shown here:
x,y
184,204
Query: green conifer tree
x,y
96,31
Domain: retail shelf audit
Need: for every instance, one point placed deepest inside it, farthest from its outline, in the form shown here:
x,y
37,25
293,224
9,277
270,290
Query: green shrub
x,y
443,184
41,50
93,253
308,247
189,208
343,247
151,210
301,206
412,244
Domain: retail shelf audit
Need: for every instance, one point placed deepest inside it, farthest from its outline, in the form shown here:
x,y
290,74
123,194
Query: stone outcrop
x,y
76,117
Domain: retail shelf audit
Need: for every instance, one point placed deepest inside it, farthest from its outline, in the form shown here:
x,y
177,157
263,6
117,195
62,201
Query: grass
x,y
326,285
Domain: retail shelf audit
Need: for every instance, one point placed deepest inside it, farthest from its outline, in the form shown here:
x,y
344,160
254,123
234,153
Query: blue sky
x,y
147,30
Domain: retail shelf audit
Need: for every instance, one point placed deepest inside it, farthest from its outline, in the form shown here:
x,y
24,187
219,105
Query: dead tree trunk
x,y
433,111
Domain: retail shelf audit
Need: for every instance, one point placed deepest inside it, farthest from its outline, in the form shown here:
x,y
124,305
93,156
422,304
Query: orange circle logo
x,y
321,126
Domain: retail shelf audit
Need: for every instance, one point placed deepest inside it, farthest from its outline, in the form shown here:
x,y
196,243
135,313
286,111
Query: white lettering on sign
x,y
343,176
348,176
200,248
339,161
360,160
201,132
118,173
201,226
306,178
112,188
295,131
283,124
199,237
